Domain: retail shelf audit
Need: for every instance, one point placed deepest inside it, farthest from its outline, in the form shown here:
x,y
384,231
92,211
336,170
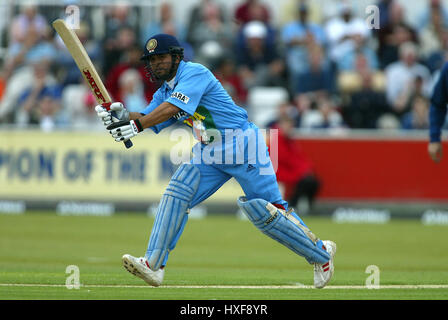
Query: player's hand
x,y
112,112
125,130
435,151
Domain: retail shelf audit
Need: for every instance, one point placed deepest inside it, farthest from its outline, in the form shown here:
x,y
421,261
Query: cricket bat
x,y
85,65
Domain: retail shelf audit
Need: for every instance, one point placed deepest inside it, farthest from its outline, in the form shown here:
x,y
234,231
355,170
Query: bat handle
x,y
127,143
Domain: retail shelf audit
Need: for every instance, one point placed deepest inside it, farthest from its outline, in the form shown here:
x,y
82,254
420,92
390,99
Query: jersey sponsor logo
x,y
179,96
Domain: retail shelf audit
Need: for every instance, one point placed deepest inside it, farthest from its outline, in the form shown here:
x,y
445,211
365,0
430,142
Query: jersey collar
x,y
172,83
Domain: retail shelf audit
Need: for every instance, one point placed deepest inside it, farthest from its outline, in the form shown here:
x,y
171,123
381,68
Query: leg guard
x,y
172,214
285,228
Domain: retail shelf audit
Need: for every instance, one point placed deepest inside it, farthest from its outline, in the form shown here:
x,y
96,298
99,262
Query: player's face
x,y
161,65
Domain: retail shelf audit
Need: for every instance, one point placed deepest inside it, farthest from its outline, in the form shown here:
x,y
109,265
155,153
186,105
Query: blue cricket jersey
x,y
437,110
205,104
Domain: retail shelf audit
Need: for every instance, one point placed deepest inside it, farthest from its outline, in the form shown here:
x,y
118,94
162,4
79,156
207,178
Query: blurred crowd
x,y
337,71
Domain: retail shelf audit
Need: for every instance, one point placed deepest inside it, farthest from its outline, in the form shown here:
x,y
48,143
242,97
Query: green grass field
x,y
220,257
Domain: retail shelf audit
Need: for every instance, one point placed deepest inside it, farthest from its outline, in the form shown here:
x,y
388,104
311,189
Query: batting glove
x,y
112,112
125,130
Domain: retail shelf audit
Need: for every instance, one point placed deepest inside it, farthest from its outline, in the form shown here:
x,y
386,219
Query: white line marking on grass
x,y
417,286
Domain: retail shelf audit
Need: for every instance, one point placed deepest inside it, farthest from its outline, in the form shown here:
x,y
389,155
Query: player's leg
x,y
257,176
171,213
266,209
285,226
168,224
261,190
190,185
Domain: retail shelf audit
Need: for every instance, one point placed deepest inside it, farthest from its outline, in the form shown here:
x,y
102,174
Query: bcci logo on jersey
x,y
151,46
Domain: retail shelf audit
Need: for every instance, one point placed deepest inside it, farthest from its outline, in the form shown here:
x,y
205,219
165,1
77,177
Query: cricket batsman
x,y
437,115
192,95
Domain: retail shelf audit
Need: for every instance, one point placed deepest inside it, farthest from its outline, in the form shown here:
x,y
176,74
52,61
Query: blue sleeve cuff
x,y
159,127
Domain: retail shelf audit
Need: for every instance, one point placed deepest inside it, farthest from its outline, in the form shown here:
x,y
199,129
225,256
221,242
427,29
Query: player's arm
x,y
162,113
437,115
436,120
124,130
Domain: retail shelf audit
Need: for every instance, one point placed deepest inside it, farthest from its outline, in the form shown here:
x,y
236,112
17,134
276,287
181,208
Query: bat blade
x,y
85,65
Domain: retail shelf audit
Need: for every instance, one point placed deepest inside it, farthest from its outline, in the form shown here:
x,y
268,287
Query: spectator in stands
x,y
319,77
67,66
166,16
211,28
78,105
251,10
114,53
299,36
120,33
343,32
286,109
288,11
384,11
350,76
260,64
362,51
393,35
417,92
226,73
21,80
323,114
131,61
197,15
41,108
433,7
39,102
132,90
365,105
434,41
18,52
29,20
401,78
189,53
388,122
418,117
302,103
257,14
35,44
118,16
295,171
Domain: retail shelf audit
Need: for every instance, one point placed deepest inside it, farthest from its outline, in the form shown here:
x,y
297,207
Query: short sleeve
x,y
189,90
155,102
